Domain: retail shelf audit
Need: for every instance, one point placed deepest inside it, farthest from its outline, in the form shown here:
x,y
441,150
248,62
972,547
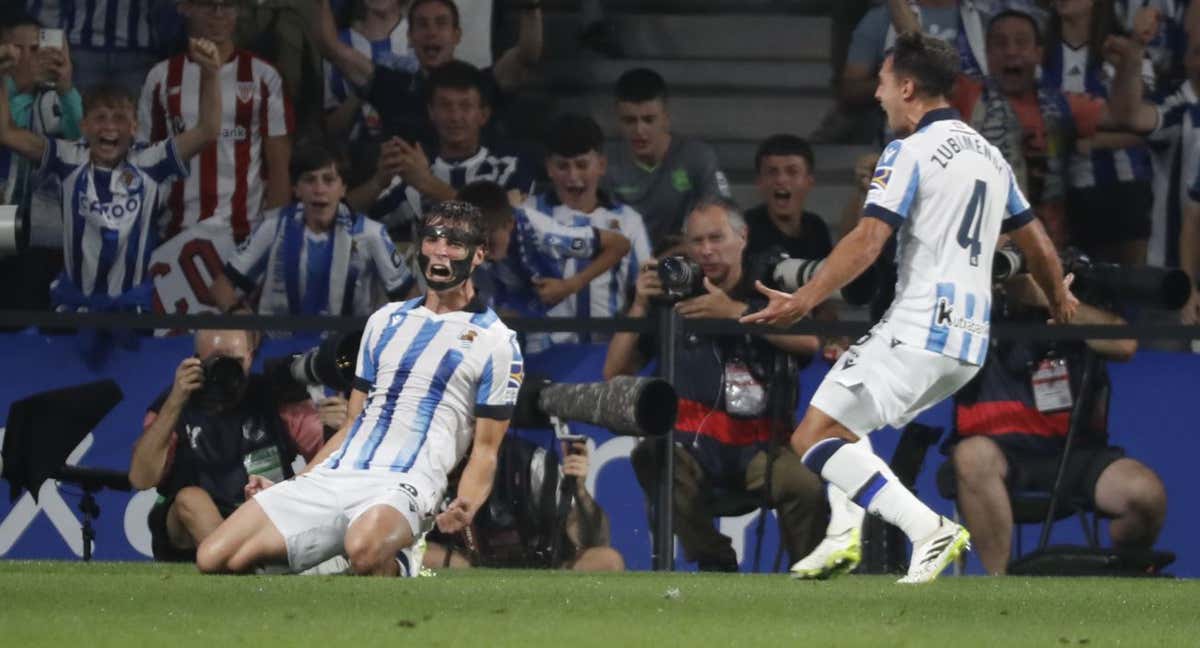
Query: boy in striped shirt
x,y
111,188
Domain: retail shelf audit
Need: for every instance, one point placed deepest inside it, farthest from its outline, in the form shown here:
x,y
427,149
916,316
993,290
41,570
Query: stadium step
x,y
812,7
736,117
737,36
690,76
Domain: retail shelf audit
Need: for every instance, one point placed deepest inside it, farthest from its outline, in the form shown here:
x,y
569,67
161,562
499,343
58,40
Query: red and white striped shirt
x,y
226,179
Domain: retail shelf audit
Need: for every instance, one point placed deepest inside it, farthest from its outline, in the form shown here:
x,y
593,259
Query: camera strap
x,y
1051,383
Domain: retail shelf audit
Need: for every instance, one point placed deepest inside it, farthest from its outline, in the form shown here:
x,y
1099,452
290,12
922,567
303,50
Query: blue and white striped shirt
x,y
108,214
427,377
606,295
109,25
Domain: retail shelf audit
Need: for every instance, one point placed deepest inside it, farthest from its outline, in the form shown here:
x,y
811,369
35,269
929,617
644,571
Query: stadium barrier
x,y
1149,417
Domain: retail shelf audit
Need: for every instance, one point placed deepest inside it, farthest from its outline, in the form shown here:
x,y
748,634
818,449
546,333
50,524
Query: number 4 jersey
x,y
949,193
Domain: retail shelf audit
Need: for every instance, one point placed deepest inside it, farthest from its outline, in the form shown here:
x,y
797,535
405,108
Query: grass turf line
x,y
132,604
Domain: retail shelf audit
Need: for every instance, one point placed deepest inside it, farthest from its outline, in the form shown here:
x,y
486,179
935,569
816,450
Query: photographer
x,y
724,423
216,426
539,515
1013,418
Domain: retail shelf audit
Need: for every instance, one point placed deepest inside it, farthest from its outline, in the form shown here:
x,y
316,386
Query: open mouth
x,y
431,51
782,195
439,271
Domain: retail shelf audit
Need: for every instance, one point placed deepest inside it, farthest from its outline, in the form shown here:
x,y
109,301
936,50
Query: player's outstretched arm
x,y
191,141
1046,269
850,258
25,142
477,477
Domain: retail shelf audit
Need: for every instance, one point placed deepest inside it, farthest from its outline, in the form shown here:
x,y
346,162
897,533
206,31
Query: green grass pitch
x,y
137,604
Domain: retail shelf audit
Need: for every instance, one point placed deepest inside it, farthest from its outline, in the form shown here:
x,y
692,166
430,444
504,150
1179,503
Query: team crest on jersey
x,y
614,225
177,124
467,338
245,91
130,180
880,179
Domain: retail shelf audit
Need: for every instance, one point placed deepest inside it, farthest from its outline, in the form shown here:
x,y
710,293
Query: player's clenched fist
x,y
456,516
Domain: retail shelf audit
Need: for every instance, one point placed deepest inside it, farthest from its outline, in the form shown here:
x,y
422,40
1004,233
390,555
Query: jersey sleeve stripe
x,y
884,214
494,412
1016,221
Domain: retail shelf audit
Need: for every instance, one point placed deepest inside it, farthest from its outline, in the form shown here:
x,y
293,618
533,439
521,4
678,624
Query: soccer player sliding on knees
x,y
949,194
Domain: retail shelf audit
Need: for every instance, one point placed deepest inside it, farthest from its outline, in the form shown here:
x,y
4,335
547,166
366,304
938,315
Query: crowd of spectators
x,y
1044,81
292,146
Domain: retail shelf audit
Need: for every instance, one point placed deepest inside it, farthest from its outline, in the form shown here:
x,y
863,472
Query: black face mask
x,y
460,270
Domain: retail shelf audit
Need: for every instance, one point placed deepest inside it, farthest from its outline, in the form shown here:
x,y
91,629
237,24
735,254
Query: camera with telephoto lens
x,y
224,381
331,363
1107,283
681,277
776,269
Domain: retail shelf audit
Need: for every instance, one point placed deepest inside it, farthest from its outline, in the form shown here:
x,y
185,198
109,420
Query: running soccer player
x,y
113,187
315,256
950,194
436,375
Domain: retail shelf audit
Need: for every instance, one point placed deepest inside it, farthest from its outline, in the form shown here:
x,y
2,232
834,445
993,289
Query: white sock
x,y
871,484
844,515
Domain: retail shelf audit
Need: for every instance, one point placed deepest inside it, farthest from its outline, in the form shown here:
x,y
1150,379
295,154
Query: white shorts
x,y
879,381
313,511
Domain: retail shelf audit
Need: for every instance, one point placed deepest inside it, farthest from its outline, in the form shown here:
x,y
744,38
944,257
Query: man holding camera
x,y
217,426
540,515
724,423
1013,418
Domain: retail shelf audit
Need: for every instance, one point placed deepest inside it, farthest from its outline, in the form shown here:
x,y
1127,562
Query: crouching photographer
x,y
1012,420
215,430
729,387
539,515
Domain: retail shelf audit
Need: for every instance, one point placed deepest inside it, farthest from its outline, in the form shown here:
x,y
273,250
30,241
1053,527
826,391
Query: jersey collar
x,y
474,306
937,114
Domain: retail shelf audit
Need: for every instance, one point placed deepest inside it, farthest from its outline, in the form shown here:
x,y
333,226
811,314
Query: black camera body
x,y
224,382
1104,284
331,363
776,269
681,277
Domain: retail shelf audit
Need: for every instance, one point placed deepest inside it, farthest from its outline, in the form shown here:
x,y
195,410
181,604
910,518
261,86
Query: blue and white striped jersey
x,y
537,247
427,378
110,25
392,51
949,193
608,294
401,203
311,273
1066,69
1173,146
108,214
